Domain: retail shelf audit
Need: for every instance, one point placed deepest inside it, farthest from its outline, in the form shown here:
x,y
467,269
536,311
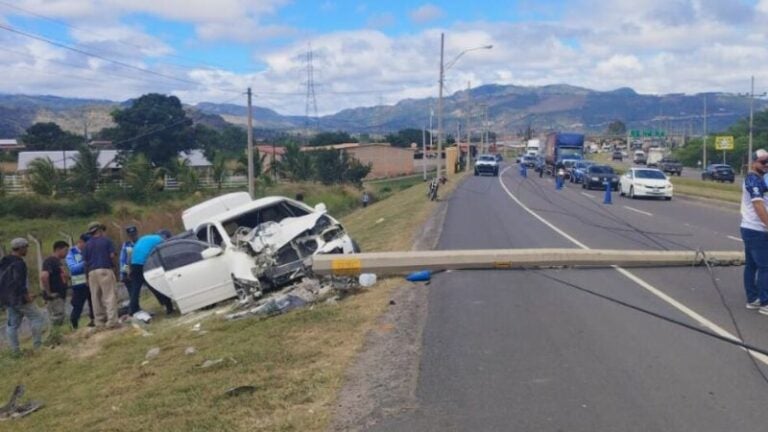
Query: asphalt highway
x,y
518,350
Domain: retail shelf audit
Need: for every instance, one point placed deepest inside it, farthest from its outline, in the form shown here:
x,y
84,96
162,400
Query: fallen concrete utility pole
x,y
398,263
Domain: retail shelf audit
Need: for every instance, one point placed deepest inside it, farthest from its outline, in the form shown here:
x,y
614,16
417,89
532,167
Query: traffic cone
x,y
607,198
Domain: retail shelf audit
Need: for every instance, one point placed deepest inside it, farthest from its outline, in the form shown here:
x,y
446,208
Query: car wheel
x,y
476,173
615,188
668,198
584,185
732,180
632,192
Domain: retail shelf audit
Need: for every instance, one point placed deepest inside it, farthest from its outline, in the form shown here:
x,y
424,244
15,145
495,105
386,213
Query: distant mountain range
x,y
509,109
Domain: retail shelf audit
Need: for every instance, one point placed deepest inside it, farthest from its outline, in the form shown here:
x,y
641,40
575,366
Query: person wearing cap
x,y
53,283
125,253
754,233
99,255
141,251
80,290
15,297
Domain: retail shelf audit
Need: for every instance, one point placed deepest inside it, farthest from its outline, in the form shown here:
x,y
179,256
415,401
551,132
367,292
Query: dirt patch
x,y
382,381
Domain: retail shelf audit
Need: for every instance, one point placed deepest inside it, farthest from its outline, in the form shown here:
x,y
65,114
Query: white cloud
x,y
426,13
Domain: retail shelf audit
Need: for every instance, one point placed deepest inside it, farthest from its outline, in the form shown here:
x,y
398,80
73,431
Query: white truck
x,y
655,154
533,147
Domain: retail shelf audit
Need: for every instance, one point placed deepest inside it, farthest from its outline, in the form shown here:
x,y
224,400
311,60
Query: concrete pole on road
x,y
424,151
469,131
440,108
250,145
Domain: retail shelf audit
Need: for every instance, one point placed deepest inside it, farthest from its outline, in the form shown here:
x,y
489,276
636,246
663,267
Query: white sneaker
x,y
143,316
763,310
754,305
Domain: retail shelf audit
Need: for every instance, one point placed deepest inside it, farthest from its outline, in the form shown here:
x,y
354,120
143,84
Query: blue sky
x,y
371,51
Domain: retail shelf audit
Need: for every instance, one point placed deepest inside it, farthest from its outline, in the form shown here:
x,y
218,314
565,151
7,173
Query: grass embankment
x,y
295,361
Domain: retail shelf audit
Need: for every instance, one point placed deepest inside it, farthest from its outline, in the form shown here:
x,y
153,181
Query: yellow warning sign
x,y
724,143
346,266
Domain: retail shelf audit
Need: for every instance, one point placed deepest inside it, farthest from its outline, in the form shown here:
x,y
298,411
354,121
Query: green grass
x,y
295,361
730,192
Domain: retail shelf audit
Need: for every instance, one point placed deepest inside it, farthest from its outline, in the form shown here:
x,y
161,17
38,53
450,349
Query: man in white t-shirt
x,y
754,232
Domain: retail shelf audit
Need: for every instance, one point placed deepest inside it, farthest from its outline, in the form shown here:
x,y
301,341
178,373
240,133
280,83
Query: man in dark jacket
x,y
15,297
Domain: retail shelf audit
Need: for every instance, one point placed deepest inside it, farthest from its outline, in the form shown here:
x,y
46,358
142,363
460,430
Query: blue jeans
x,y
755,265
36,321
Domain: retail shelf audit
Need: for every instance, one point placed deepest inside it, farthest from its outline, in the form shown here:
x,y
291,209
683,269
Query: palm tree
x,y
141,177
85,172
188,179
219,170
43,177
296,164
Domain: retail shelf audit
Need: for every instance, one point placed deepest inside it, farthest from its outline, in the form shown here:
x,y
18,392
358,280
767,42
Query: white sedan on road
x,y
645,182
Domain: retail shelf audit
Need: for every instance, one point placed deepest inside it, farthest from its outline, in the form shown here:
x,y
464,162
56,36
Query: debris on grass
x,y
209,363
240,390
190,351
152,353
13,410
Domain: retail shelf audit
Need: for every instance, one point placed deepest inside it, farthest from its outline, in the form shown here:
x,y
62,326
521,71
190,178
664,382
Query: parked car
x,y
617,155
579,169
487,164
238,247
645,182
719,172
670,166
597,175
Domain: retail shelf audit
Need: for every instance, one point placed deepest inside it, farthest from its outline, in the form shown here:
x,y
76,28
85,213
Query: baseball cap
x,y
85,237
131,230
94,226
18,243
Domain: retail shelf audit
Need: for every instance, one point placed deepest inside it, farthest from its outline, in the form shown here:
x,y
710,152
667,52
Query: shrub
x,y
28,207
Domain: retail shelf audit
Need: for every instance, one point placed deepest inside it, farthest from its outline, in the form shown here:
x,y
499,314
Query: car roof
x,y
247,207
646,169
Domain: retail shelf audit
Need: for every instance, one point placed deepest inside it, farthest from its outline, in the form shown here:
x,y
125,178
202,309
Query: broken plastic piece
x,y
367,280
419,276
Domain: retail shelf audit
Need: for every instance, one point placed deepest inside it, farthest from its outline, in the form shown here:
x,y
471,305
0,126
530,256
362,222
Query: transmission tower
x,y
310,113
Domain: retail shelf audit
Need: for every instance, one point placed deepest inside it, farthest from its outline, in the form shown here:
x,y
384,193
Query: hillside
x,y
510,108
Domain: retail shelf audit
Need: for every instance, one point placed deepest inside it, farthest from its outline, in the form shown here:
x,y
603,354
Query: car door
x,y
196,274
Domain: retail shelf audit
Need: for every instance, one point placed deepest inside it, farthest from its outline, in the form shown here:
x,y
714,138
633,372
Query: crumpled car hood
x,y
276,235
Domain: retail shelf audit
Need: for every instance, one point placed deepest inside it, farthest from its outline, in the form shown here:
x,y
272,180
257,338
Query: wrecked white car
x,y
236,247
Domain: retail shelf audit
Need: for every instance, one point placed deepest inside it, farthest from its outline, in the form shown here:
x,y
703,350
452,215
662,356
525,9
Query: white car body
x,y
636,183
234,246
486,164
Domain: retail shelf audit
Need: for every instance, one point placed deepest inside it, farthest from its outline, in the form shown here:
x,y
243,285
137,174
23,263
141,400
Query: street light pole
x,y
440,108
704,143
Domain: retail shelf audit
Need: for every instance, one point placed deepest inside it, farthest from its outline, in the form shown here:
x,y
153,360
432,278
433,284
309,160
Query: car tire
x,y
476,173
615,188
667,198
632,192
584,185
733,180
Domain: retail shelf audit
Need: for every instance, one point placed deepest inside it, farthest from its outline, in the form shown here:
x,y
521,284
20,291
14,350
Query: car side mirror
x,y
321,208
212,252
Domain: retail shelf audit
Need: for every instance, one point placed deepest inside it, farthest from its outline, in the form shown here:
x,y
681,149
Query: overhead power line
x,y
94,55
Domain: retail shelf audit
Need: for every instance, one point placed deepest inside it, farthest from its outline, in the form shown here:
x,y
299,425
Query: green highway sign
x,y
647,133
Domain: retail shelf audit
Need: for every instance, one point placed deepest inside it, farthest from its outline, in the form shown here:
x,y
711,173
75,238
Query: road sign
x,y
724,143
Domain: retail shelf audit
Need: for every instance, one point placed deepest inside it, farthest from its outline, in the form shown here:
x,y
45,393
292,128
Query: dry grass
x,y
296,361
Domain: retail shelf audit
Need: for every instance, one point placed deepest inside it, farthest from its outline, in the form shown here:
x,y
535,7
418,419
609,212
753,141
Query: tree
x,y
219,170
156,126
356,171
43,177
334,166
616,128
331,138
141,177
258,164
296,165
405,137
49,136
85,172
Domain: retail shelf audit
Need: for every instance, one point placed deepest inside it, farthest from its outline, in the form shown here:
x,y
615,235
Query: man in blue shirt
x,y
125,252
141,251
99,255
754,232
80,290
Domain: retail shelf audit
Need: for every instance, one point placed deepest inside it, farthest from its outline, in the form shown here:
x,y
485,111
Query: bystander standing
x,y
54,282
15,297
125,253
754,233
141,251
99,255
79,280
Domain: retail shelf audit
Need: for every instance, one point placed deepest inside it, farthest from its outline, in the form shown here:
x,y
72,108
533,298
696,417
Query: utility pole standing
x,y
250,146
424,151
440,109
469,130
751,120
704,144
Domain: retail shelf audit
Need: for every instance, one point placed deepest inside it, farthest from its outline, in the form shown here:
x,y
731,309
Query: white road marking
x,y
634,278
588,195
638,211
734,238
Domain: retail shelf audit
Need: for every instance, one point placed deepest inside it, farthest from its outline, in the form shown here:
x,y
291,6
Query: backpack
x,y
11,285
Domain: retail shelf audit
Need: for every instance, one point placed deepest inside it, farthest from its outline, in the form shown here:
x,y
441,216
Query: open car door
x,y
192,273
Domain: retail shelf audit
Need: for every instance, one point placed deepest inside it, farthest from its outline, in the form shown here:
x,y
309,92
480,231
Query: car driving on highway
x,y
645,182
487,164
579,170
528,161
597,175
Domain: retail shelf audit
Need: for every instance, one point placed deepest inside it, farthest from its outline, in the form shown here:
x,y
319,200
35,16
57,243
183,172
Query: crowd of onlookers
x,y
83,272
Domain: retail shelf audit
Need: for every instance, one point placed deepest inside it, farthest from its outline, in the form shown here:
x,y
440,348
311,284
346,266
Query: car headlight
x,y
595,178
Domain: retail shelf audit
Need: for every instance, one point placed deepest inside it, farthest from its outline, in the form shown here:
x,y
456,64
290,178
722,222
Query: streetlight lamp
x,y
443,68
